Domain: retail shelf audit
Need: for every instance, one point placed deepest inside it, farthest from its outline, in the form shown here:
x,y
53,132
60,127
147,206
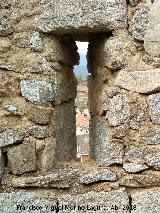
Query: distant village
x,y
82,123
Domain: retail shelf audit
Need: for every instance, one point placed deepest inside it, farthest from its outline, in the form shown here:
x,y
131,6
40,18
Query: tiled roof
x,y
82,120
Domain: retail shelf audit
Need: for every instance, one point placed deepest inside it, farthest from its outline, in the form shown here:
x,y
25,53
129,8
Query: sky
x,y
82,47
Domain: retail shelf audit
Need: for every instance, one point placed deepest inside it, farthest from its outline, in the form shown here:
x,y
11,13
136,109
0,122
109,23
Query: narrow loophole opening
x,y
82,111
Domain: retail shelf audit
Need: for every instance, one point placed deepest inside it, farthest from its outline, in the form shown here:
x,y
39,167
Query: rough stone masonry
x,y
38,166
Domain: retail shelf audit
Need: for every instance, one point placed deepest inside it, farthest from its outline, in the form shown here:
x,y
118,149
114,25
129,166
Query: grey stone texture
x,y
134,167
65,130
63,16
3,66
134,154
37,91
39,114
118,50
152,158
11,108
98,176
10,136
146,81
154,107
146,201
139,24
8,20
61,88
119,110
22,158
152,36
103,200
39,132
9,202
153,137
102,149
61,178
36,42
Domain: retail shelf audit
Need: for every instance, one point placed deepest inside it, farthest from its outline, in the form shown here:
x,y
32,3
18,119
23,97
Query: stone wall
x,y
38,167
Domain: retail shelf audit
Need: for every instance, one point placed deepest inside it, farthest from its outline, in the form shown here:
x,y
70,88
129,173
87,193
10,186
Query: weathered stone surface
x,y
9,202
119,112
118,50
65,86
8,20
22,158
134,154
113,91
139,24
133,2
62,50
101,148
154,107
98,103
5,4
5,44
39,131
9,137
134,167
11,108
25,61
9,84
1,165
65,117
133,160
61,88
36,42
146,201
112,52
97,201
139,115
57,179
152,158
136,180
3,66
37,90
103,200
153,137
152,36
48,158
120,131
64,16
98,176
39,114
139,81
56,50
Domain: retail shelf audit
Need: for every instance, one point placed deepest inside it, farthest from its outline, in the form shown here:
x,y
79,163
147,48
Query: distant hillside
x,y
81,69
